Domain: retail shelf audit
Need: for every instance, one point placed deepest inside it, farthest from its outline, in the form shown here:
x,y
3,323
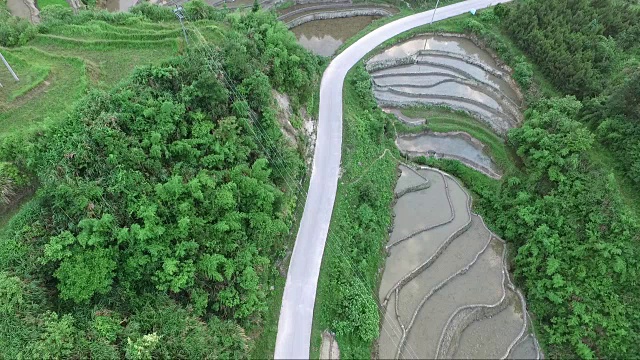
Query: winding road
x,y
296,313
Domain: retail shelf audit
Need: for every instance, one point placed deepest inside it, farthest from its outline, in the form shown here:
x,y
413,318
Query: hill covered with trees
x,y
160,215
590,49
572,212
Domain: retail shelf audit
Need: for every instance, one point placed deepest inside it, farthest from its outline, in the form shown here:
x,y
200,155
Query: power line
x,y
178,11
263,139
8,68
297,187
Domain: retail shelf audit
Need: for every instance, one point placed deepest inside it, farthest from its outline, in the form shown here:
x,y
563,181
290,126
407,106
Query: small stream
x,y
324,37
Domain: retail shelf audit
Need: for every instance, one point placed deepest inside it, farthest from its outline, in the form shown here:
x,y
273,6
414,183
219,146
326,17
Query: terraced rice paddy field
x,y
57,68
460,93
323,27
447,70
446,290
452,145
324,37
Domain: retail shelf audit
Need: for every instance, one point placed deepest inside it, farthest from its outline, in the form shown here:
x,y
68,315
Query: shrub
x,y
523,73
13,30
473,26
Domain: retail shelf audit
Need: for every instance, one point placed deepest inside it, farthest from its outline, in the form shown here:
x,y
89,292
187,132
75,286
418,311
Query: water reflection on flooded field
x,y
445,288
324,37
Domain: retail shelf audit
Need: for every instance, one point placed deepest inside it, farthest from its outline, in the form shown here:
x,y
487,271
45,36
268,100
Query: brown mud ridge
x,y
329,349
451,70
446,290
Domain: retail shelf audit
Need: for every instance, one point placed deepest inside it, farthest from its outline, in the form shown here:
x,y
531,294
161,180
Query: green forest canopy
x,y
159,217
591,49
577,241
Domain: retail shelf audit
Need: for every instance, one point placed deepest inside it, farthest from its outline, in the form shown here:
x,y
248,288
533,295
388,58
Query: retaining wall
x,y
408,104
479,43
336,15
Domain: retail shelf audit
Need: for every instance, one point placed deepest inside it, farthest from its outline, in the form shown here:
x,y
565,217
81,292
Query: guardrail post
x,y
9,68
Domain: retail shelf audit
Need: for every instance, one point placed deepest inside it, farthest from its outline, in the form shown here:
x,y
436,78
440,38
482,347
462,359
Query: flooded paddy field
x,y
25,9
19,8
117,5
451,71
445,289
324,37
454,145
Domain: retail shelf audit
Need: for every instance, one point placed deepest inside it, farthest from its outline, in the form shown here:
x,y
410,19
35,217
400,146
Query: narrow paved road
x,y
296,313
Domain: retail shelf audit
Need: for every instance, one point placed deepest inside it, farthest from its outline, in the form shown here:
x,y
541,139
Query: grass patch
x,y
78,45
82,32
30,76
115,64
7,214
44,3
67,81
65,62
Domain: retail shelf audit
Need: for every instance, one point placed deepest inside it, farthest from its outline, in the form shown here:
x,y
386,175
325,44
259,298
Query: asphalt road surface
x,y
296,313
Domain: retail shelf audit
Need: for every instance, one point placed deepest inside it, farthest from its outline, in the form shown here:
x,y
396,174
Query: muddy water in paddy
x,y
443,43
447,70
446,288
119,5
447,145
324,37
498,331
526,349
18,8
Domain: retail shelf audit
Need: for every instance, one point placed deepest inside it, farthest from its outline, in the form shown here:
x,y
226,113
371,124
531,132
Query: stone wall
x,y
336,15
479,43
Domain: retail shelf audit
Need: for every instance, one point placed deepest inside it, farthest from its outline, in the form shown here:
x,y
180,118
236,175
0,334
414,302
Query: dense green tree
x,y
163,203
577,43
577,244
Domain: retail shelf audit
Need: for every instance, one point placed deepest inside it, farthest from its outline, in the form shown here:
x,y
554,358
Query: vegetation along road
x,y
296,316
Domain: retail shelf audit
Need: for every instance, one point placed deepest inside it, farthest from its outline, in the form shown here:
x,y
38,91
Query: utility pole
x,y
178,11
9,68
434,11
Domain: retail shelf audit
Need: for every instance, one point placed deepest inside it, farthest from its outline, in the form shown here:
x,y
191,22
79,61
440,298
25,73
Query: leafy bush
x,y
159,218
153,12
13,30
577,246
473,26
11,180
523,73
